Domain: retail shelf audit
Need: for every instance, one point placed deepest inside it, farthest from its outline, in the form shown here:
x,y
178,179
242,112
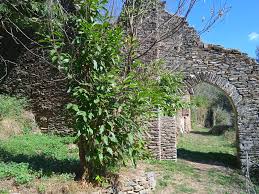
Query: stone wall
x,y
228,69
162,138
45,88
139,183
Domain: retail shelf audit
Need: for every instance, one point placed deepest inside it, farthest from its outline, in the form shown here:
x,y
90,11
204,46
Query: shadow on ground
x,y
201,132
48,165
220,159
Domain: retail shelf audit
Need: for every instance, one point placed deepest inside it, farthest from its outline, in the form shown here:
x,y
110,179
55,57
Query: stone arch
x,y
231,92
229,89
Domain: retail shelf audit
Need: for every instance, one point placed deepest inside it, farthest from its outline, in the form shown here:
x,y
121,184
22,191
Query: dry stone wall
x,y
140,183
162,138
228,69
45,88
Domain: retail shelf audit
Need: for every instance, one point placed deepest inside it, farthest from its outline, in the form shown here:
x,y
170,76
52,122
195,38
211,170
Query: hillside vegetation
x,y
41,163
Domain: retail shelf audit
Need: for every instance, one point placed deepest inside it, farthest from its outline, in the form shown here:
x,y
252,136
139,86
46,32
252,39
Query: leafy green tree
x,y
110,103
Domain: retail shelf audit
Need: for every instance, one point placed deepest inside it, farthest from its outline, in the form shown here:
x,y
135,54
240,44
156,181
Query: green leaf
x,y
54,59
90,115
99,111
73,107
95,64
105,140
100,155
131,138
113,138
109,150
66,61
96,100
101,129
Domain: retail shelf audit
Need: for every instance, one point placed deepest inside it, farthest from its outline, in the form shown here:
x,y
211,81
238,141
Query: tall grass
x,y
11,107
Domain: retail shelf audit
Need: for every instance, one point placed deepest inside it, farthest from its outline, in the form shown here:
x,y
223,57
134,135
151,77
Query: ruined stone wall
x,y
45,88
162,138
228,69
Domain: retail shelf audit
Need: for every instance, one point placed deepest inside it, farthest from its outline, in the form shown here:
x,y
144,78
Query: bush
x,y
212,106
222,117
112,98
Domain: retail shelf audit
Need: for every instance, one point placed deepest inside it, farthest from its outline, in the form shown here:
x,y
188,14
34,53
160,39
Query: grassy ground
x,y
34,163
206,164
38,163
200,146
31,160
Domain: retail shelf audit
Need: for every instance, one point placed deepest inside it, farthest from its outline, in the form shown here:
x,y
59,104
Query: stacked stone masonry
x,y
228,69
162,138
144,183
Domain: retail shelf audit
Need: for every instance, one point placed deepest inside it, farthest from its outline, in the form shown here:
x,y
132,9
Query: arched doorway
x,y
213,139
234,99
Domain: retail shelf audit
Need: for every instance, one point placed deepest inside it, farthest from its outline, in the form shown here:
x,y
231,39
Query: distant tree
x,y
257,54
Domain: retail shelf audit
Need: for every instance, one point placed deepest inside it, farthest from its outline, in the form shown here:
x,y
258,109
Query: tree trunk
x,y
83,164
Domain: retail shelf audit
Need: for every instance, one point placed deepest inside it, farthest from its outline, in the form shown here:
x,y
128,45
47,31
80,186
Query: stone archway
x,y
230,92
228,69
163,130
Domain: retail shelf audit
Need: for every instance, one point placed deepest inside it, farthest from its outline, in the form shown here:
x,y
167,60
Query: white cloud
x,y
253,36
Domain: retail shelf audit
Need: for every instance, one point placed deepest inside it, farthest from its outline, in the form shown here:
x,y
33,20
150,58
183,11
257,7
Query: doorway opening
x,y
213,137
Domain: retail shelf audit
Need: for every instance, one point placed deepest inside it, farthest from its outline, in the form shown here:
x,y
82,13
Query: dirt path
x,y
205,165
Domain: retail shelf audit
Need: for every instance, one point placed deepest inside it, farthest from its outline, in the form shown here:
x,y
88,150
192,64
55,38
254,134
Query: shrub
x,y
112,99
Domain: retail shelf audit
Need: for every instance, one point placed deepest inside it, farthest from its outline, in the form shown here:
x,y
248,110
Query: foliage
x,y
41,188
22,14
211,106
110,102
4,191
200,101
222,117
20,171
212,96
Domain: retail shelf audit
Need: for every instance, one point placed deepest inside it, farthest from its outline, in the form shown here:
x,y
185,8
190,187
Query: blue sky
x,y
239,29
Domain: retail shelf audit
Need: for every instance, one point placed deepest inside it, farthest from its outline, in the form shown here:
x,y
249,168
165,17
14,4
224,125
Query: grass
x,y
201,146
14,119
206,164
26,158
11,106
4,191
44,162
33,156
35,160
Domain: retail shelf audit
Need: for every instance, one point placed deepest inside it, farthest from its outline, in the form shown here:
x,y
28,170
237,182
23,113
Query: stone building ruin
x,y
228,69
